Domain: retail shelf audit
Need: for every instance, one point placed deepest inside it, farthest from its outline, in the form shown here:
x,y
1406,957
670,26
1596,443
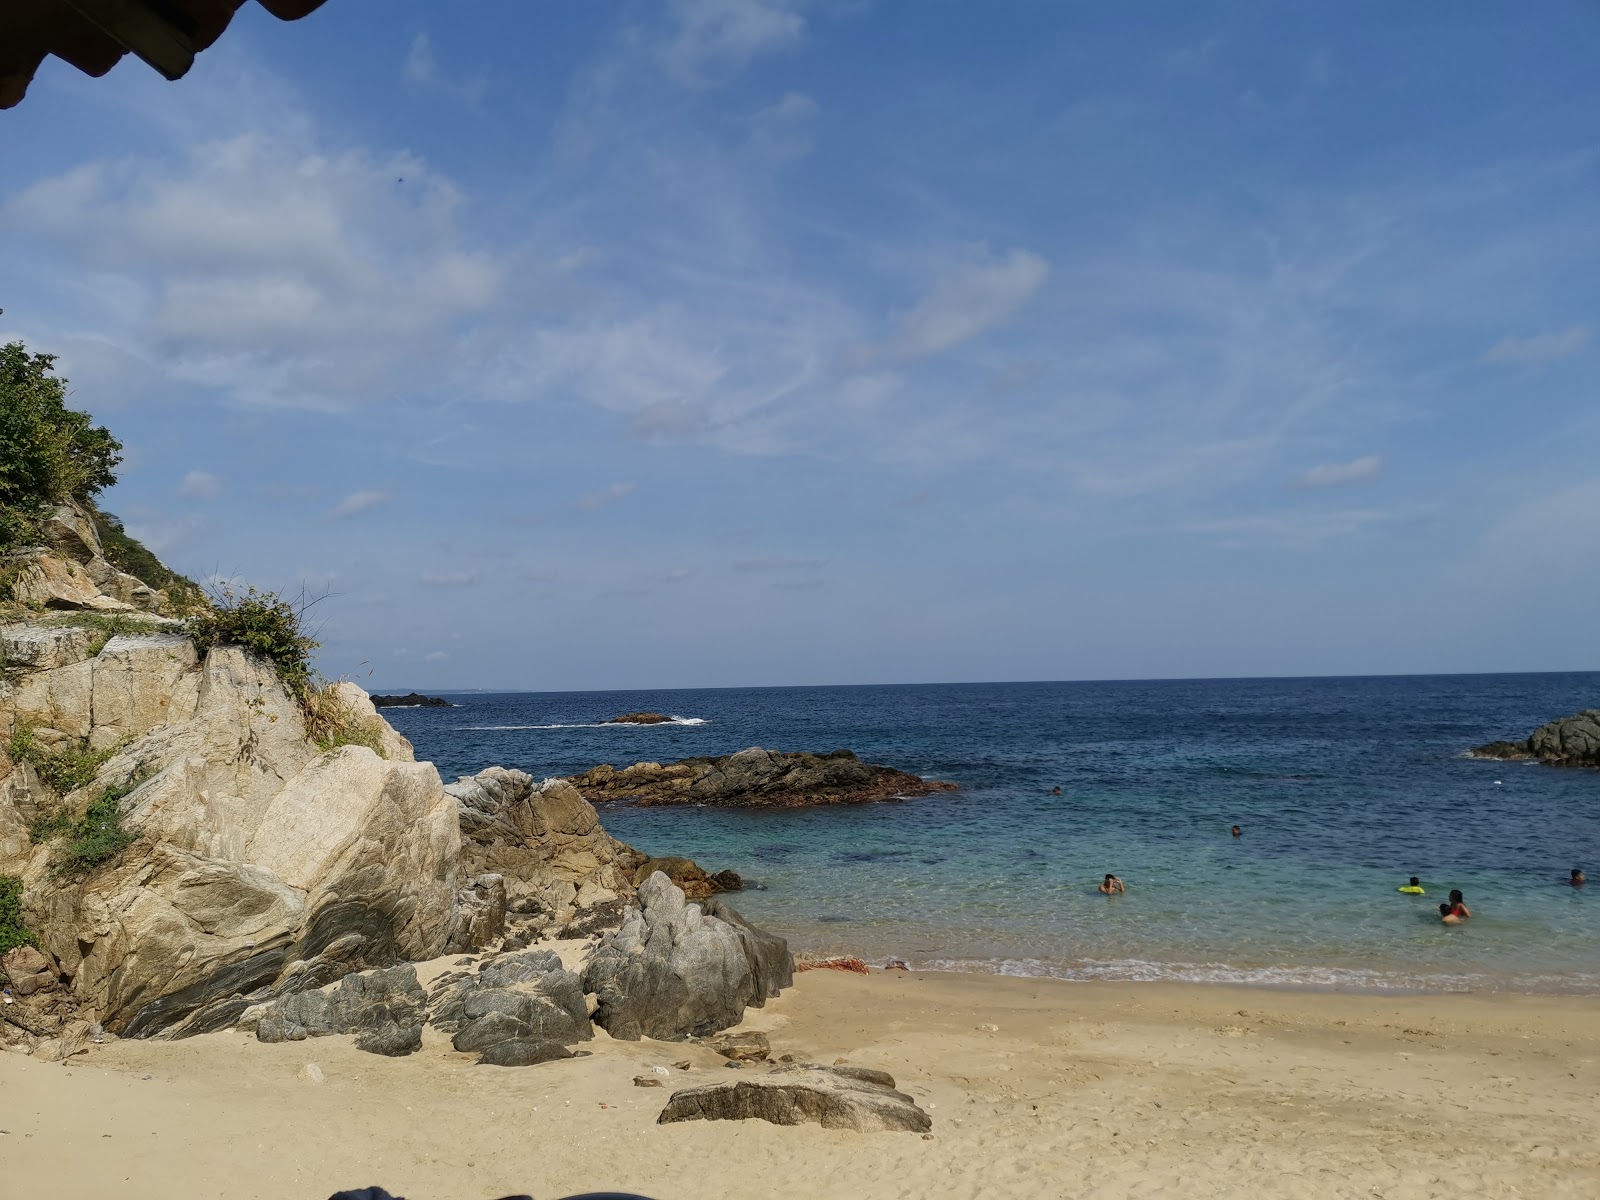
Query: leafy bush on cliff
x,y
65,768
48,452
263,623
12,934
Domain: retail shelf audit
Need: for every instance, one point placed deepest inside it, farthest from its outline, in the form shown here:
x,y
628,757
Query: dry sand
x,y
1083,1089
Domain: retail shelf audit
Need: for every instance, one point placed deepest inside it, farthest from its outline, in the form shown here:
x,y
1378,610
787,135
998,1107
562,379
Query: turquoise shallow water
x,y
1344,787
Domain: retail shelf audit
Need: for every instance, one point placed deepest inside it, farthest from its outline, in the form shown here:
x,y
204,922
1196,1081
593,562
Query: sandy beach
x,y
1079,1089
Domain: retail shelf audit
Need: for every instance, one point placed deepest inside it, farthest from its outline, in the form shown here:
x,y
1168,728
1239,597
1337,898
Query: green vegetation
x,y
331,724
131,556
65,768
48,452
98,835
266,624
12,933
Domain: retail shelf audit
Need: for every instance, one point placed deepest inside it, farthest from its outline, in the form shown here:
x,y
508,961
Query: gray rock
x,y
756,778
675,970
384,1009
480,915
519,1052
524,1002
1566,742
834,1097
748,1046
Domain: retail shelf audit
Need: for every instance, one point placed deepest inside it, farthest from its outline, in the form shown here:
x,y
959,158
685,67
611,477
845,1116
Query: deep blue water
x,y
1344,787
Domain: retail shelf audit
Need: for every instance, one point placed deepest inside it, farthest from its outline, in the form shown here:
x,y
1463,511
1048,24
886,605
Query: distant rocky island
x,y
414,700
1565,742
639,718
755,778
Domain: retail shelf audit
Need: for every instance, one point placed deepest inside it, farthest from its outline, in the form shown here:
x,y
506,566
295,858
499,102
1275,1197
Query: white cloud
x,y
356,503
1538,348
260,265
200,485
1357,470
708,34
448,578
590,501
967,300
435,656
1290,529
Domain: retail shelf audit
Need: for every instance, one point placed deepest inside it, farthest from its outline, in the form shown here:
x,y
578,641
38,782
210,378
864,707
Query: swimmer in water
x,y
1055,791
1577,879
1456,911
1414,888
1111,886
1237,832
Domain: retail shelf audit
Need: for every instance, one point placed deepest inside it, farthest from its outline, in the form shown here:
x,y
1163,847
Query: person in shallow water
x,y
1237,832
1055,791
1111,885
1414,888
1577,879
1456,910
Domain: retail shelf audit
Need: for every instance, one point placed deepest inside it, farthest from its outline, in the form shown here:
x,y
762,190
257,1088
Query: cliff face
x,y
75,569
253,861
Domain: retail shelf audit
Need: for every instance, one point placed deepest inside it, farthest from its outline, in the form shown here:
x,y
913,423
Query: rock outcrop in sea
x,y
1566,742
410,700
755,778
639,718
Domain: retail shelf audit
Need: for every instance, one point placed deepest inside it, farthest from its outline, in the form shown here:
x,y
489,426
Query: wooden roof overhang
x,y
93,34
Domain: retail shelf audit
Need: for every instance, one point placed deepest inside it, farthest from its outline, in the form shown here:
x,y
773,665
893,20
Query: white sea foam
x,y
1134,970
584,725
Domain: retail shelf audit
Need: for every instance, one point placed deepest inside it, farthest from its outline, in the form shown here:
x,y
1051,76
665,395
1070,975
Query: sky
x,y
760,342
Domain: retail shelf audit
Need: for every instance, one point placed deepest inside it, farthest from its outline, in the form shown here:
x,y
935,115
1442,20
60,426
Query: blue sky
x,y
720,342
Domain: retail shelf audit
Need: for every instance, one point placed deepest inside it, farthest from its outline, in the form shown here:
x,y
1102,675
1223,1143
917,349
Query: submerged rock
x,y
675,969
756,778
838,1097
1566,742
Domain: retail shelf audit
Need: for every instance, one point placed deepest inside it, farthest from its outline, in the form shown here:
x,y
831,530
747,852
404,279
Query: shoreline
x,y
1037,1088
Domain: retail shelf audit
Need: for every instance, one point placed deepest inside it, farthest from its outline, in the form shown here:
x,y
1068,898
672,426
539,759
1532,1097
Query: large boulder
x,y
384,1009
1566,742
756,778
837,1097
545,842
258,865
517,1009
697,883
675,970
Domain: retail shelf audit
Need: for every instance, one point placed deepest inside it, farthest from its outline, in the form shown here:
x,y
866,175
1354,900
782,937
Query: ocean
x,y
1344,787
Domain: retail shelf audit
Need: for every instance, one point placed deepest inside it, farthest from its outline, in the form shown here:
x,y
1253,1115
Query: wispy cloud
x,y
422,69
968,299
200,485
779,562
448,578
710,35
356,503
435,656
590,501
1539,347
1357,470
1291,529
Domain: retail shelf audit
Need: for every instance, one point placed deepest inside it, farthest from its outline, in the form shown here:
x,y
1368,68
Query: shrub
x,y
263,623
98,835
48,452
12,933
66,768
331,724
